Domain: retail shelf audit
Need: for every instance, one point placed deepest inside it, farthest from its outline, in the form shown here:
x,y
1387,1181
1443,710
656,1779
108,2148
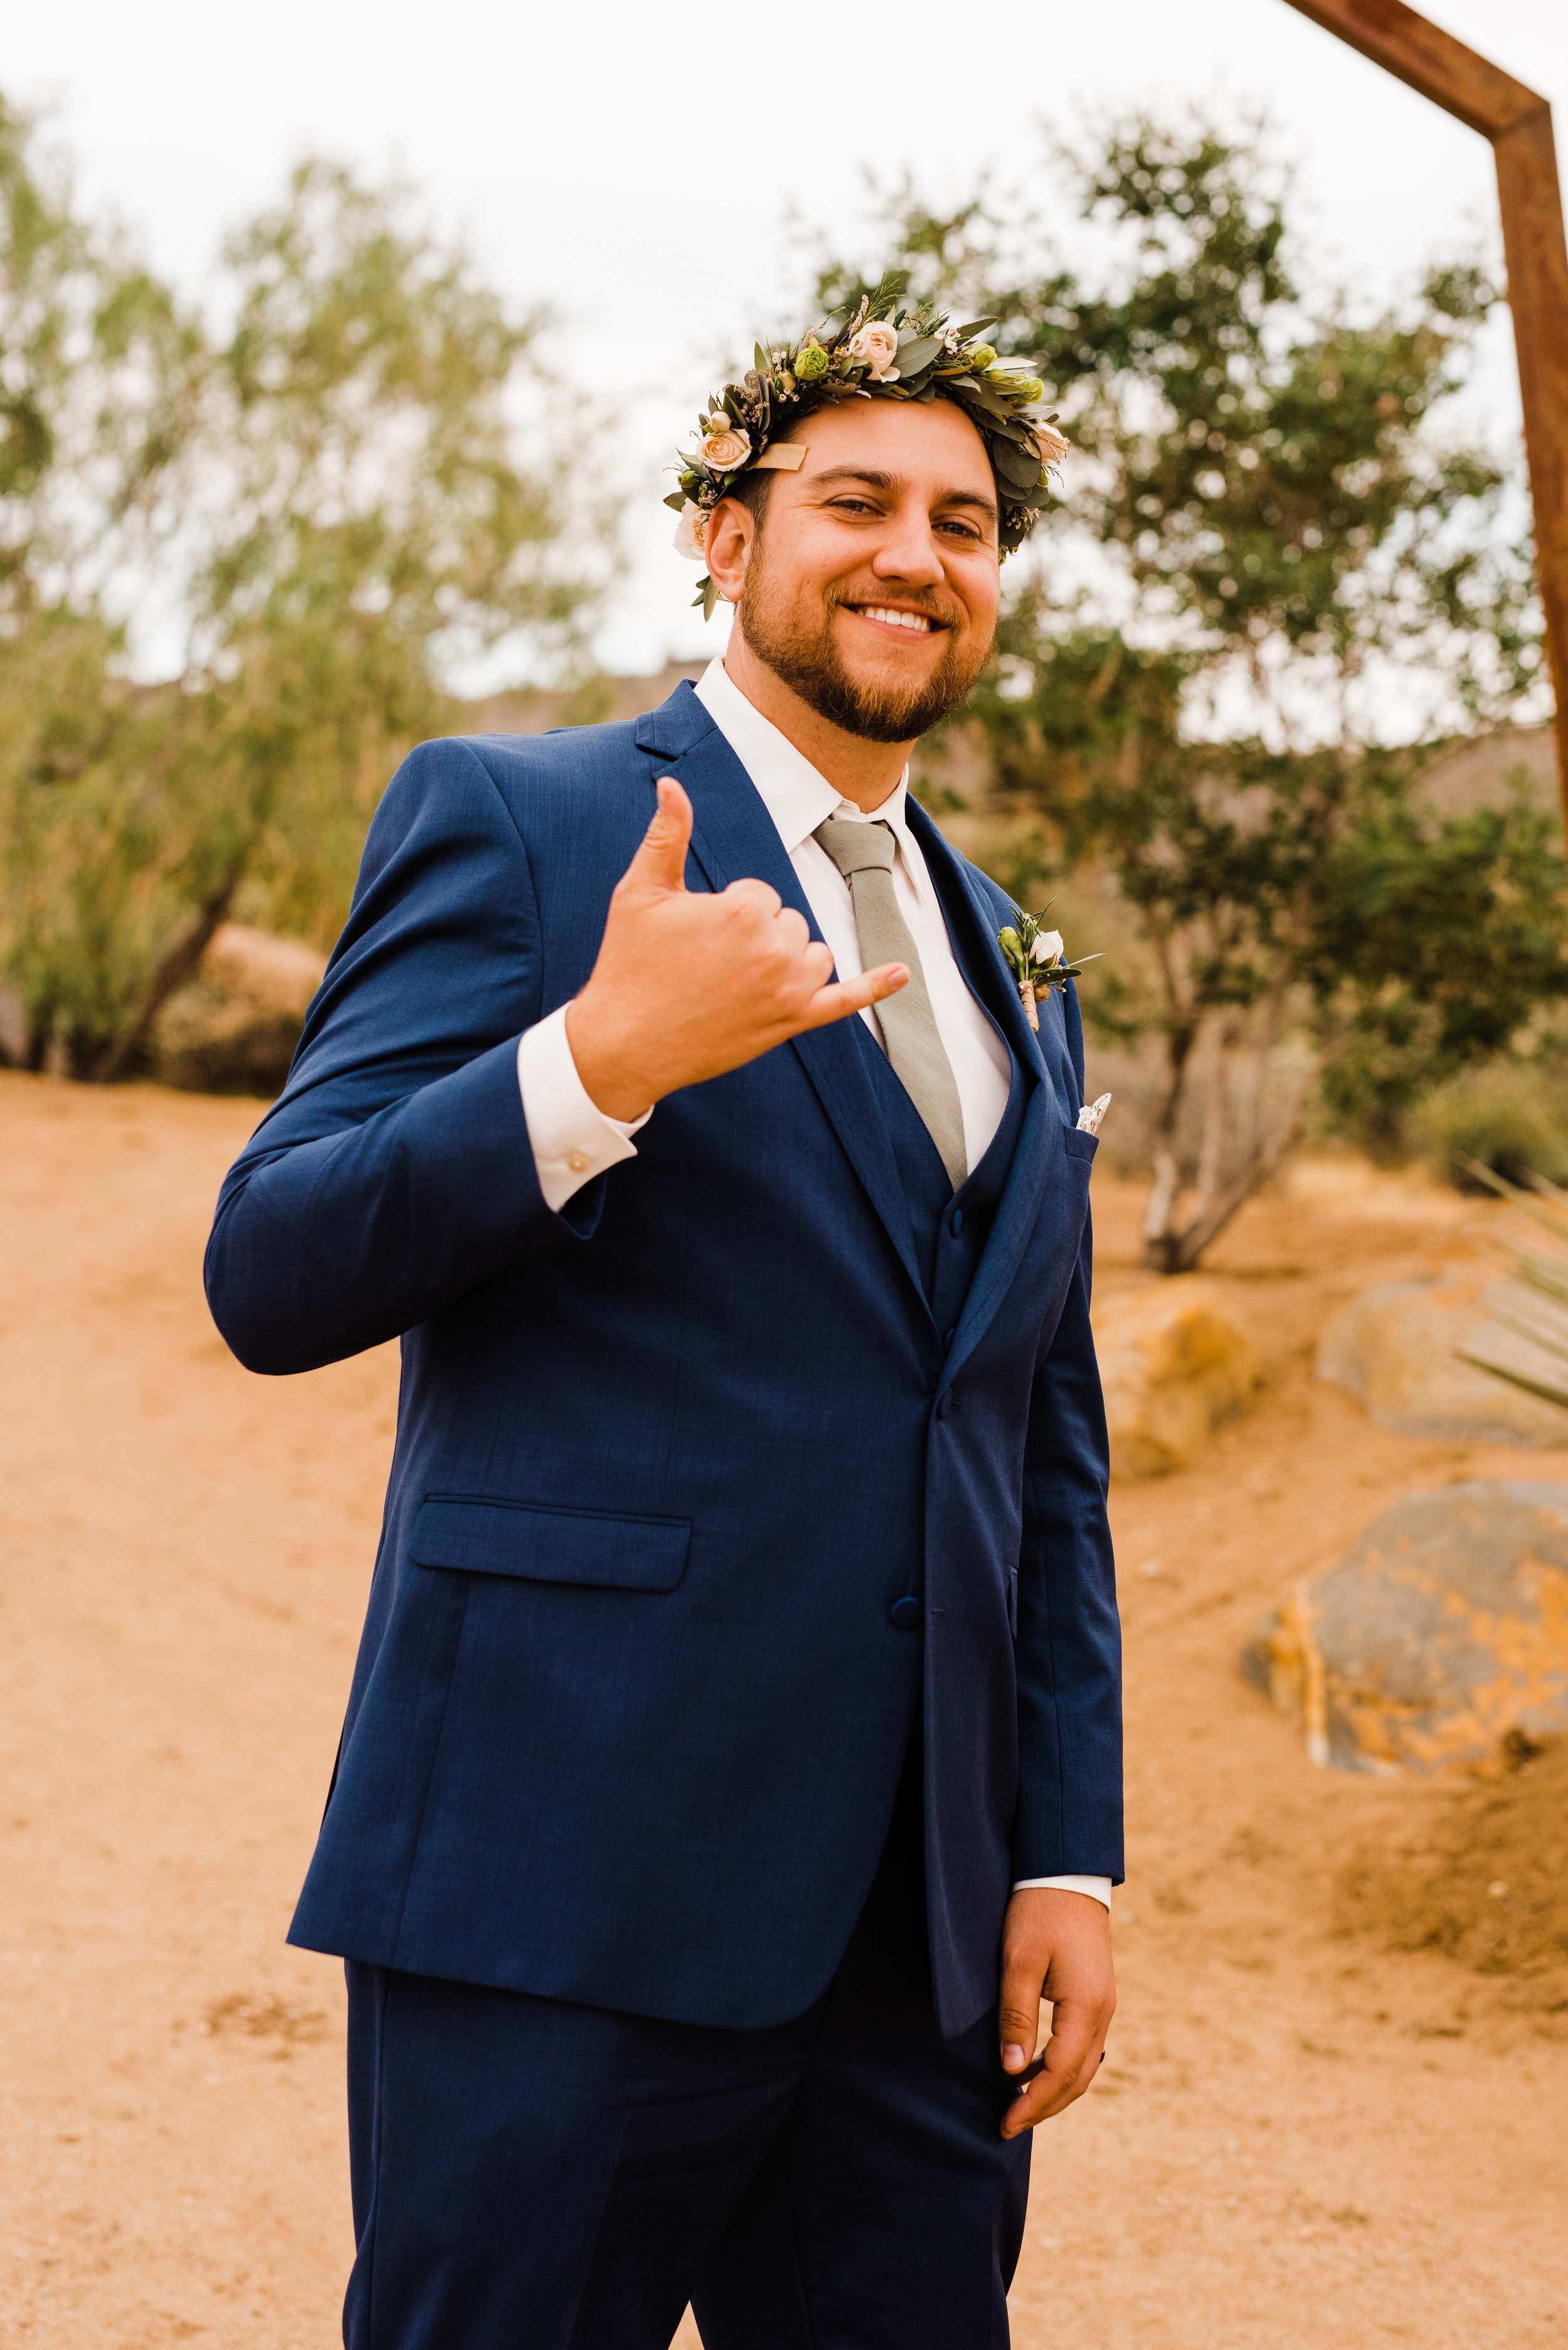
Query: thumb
x,y
1018,2019
660,860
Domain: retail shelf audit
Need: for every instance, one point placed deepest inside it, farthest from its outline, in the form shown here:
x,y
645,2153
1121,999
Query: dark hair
x,y
753,491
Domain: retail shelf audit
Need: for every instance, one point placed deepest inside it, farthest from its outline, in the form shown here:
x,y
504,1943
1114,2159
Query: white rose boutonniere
x,y
1037,960
691,532
877,345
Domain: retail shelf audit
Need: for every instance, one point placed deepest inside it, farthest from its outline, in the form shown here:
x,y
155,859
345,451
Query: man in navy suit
x,y
732,1759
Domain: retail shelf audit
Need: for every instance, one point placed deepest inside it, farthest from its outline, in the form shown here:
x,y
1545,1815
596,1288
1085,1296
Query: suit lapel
x,y
1038,1153
734,838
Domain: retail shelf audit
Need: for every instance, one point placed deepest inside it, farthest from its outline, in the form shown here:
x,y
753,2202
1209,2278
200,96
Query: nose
x,y
909,552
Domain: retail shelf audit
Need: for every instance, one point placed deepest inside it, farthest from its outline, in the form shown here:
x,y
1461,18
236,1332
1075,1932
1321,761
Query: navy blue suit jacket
x,y
629,1710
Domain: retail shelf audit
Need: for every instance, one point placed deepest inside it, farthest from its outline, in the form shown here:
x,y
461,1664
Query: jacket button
x,y
905,1613
958,1221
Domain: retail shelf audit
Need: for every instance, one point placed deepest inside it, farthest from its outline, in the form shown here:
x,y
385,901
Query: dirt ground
x,y
1303,2137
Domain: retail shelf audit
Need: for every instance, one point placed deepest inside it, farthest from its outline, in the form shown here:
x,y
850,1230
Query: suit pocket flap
x,y
1078,1144
545,1546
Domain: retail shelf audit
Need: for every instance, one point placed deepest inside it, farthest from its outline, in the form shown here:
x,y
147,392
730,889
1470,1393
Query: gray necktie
x,y
864,854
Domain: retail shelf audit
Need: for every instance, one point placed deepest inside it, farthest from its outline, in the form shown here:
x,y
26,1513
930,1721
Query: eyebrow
x,y
879,480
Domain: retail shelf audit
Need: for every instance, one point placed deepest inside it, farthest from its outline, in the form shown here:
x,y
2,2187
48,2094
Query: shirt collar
x,y
796,795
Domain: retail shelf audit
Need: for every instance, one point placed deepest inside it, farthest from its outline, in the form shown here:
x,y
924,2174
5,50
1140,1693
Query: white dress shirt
x,y
572,1141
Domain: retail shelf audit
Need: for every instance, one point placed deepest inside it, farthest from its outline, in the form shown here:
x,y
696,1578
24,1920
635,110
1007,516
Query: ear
x,y
728,548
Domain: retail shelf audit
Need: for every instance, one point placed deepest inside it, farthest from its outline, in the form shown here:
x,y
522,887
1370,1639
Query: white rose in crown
x,y
1048,947
877,344
691,532
725,448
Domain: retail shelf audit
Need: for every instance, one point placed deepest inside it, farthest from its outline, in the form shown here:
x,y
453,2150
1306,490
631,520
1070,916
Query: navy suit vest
x,y
948,1229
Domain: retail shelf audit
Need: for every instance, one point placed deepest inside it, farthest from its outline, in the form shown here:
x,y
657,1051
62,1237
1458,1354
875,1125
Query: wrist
x,y
607,1073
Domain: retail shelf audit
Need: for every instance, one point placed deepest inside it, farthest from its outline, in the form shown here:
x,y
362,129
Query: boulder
x,y
1401,1349
1174,1363
233,1030
1440,1640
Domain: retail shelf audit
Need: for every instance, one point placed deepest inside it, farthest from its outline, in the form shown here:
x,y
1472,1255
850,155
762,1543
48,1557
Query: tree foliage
x,y
1275,546
324,506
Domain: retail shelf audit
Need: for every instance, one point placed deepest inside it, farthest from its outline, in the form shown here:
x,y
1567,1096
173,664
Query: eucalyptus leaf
x,y
1018,471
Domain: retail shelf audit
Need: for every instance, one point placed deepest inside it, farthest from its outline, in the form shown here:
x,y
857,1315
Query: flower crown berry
x,y
905,355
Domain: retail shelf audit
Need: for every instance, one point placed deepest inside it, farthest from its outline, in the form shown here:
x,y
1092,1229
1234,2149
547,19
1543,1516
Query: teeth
x,y
898,619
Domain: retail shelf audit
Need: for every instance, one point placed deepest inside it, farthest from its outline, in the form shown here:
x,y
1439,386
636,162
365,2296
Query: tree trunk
x,y
1211,1148
174,968
1161,1209
1179,1252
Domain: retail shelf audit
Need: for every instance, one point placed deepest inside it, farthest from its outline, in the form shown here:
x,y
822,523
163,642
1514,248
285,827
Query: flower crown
x,y
907,355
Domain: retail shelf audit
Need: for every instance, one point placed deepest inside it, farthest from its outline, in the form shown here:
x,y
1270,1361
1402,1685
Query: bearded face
x,y
870,584
802,642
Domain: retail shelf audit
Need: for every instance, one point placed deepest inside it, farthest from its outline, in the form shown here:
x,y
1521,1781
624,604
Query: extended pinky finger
x,y
876,986
848,995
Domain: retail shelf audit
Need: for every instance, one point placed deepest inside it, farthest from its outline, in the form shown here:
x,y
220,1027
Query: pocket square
x,y
1089,1117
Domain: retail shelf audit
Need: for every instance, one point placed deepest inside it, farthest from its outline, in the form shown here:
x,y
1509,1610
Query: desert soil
x,y
1303,2137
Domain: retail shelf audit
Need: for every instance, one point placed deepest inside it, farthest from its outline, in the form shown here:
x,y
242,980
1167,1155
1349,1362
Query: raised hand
x,y
688,984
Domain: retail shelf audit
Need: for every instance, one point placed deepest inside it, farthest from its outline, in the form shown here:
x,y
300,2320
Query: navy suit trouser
x,y
531,2175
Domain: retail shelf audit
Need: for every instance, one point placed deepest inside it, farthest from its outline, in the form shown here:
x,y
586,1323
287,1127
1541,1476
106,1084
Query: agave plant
x,y
1542,1278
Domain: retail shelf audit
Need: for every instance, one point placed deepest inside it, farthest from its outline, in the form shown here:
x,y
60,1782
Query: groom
x,y
732,1759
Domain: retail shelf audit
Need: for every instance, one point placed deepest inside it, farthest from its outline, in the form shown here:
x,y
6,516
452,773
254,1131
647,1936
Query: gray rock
x,y
1401,1349
1437,1640
233,1029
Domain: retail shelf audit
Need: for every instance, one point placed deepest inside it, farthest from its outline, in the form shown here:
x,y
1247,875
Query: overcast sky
x,y
636,165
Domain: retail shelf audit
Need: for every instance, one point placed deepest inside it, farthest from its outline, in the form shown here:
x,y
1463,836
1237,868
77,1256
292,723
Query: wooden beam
x,y
1537,259
1518,122
1419,52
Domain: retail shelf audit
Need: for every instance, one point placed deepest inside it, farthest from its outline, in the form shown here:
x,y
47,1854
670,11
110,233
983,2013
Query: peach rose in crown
x,y
1053,445
725,447
691,532
877,344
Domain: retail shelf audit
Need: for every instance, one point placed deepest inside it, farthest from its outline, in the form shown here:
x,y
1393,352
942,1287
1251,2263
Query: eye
x,y
853,506
959,529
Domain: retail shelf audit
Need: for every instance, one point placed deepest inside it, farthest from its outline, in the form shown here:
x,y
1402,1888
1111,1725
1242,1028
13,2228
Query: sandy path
x,y
1300,2141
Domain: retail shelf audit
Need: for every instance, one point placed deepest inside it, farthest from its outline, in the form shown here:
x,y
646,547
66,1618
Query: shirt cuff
x,y
1098,1889
572,1141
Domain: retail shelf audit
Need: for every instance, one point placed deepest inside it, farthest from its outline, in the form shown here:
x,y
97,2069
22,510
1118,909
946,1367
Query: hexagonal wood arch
x,y
1518,122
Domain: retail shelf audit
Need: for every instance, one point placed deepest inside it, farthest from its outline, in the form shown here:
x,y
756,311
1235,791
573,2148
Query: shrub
x,y
1510,1116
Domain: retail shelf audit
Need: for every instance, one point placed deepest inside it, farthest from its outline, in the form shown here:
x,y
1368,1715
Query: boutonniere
x,y
1037,960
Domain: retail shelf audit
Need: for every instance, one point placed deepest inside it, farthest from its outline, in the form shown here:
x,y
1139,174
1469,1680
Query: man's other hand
x,y
1055,1945
687,984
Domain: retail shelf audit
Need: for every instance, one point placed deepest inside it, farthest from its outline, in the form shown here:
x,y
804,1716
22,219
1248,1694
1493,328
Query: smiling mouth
x,y
917,623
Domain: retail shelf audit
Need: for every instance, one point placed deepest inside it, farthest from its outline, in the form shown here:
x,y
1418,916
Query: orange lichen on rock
x,y
1440,1635
1175,1363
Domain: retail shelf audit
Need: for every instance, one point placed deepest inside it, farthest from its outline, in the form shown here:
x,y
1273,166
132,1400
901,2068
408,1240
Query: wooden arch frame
x,y
1518,122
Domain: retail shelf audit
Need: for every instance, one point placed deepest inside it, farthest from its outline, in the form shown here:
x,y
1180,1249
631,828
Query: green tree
x,y
330,507
1277,542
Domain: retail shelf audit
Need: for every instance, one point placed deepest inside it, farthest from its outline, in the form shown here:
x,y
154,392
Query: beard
x,y
801,649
